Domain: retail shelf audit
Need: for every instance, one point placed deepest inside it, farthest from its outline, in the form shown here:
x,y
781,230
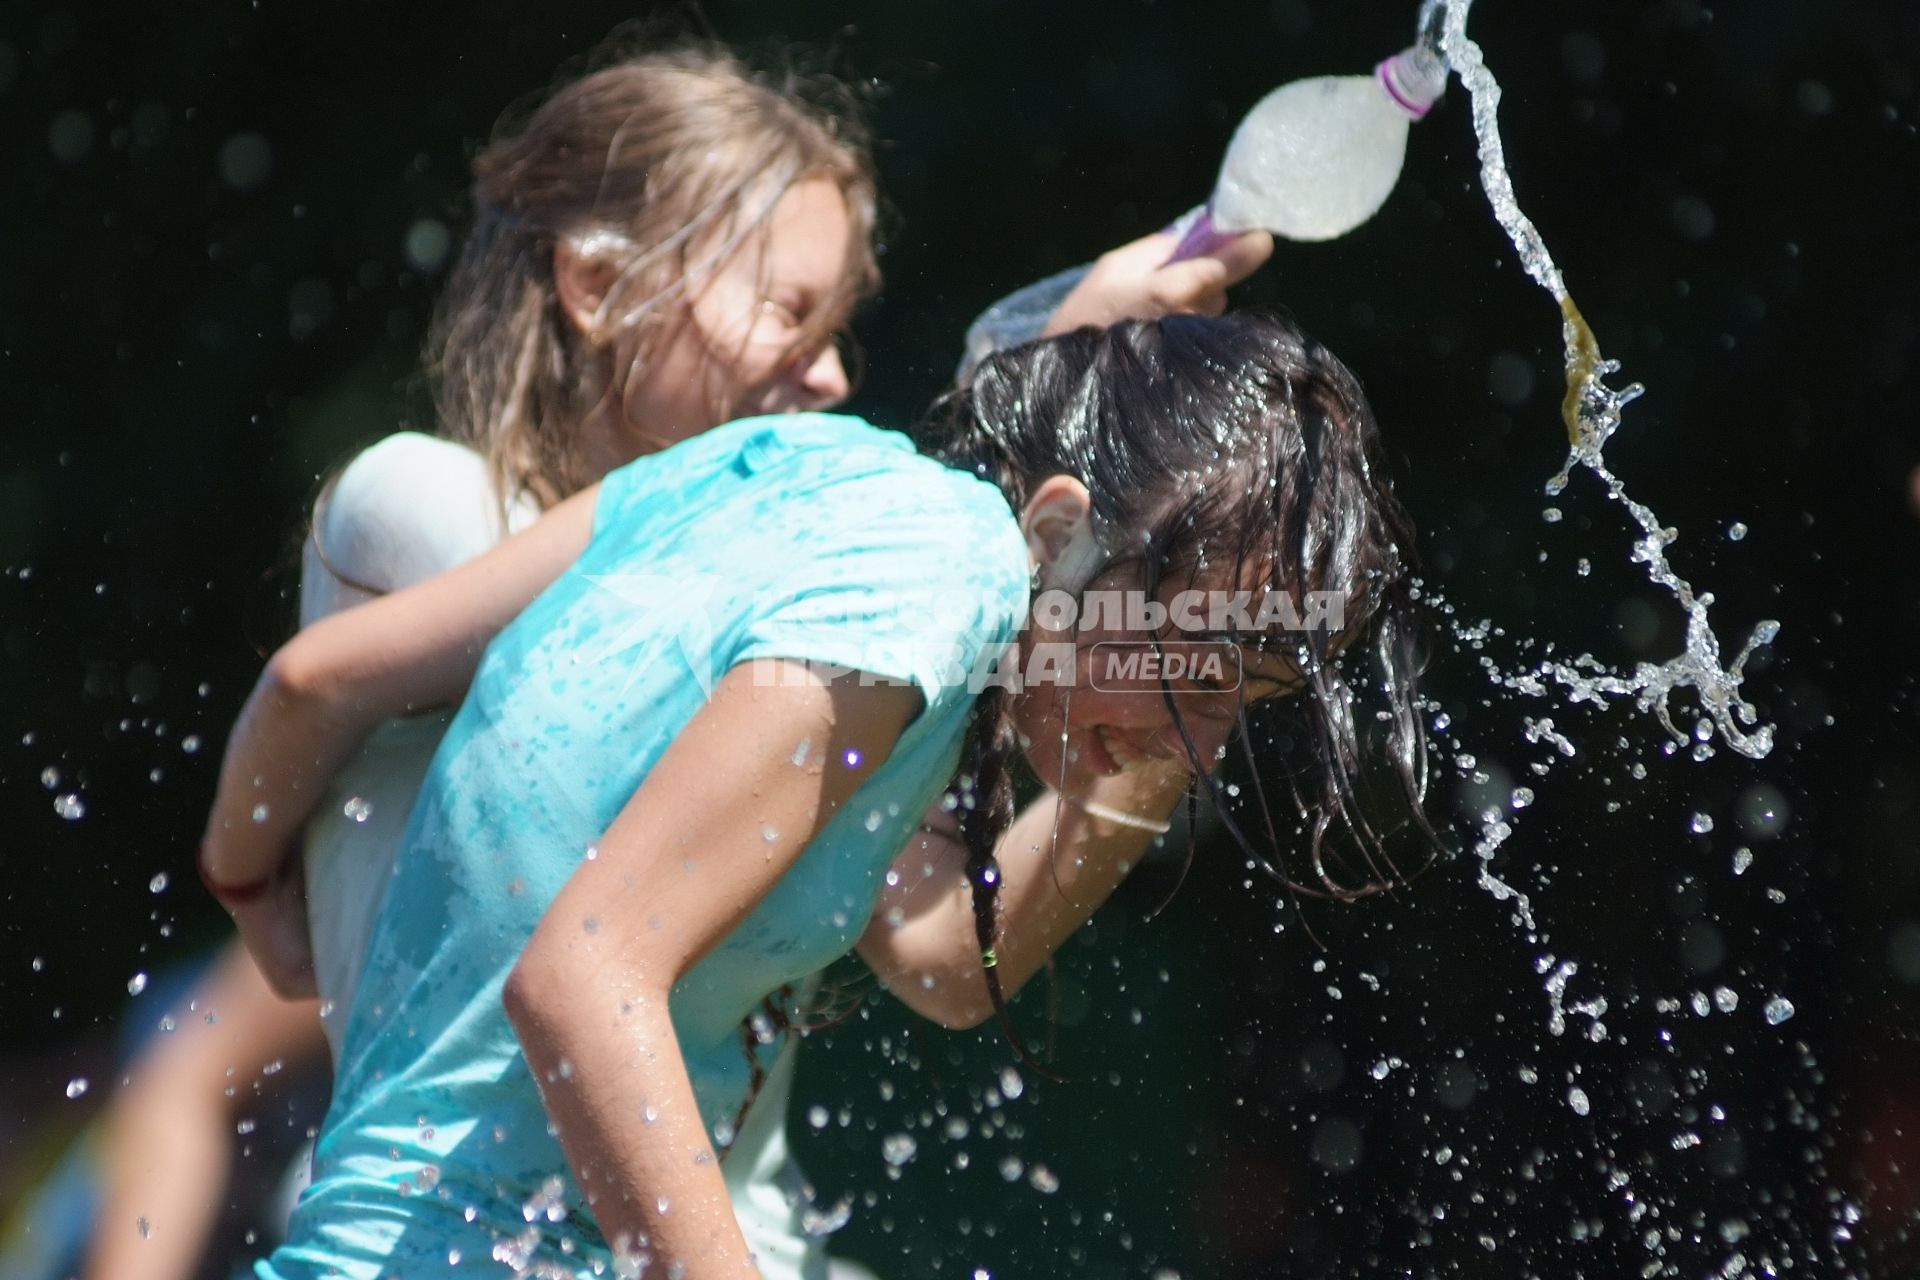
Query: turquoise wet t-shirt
x,y
812,536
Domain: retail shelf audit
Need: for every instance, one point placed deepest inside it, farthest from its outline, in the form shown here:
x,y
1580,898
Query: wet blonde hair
x,y
661,164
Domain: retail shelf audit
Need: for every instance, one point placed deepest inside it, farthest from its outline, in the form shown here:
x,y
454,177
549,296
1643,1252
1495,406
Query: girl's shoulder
x,y
863,492
794,462
842,450
405,508
410,459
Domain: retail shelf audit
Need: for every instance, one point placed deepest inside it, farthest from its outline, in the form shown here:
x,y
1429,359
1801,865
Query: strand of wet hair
x,y
773,1008
984,795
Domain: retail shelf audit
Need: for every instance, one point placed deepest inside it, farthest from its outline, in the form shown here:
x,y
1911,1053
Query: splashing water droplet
x,y
260,813
1777,1010
1700,824
1521,797
1577,1099
1043,1180
1011,1085
1742,859
70,807
822,1222
76,1086
1736,531
158,884
898,1148
548,1202
136,984
357,809
517,1251
1591,411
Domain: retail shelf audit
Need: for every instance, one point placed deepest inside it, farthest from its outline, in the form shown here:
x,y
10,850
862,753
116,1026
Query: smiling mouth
x,y
1118,752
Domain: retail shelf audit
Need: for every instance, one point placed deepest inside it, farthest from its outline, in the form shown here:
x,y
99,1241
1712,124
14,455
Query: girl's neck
x,y
604,440
600,443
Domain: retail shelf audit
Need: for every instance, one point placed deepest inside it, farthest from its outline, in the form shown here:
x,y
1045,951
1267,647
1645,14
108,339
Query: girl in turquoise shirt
x,y
680,781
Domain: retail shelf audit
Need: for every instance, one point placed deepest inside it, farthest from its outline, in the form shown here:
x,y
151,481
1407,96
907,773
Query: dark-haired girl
x,y
746,672
667,241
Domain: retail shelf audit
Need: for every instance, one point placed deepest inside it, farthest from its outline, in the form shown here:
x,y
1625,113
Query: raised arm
x,y
1058,862
686,861
1136,282
326,688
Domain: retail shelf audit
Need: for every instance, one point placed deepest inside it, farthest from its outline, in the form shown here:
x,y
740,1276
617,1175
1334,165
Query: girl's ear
x,y
1058,522
583,273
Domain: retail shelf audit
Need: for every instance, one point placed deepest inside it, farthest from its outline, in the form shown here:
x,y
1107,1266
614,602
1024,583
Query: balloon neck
x,y
1414,79
1203,237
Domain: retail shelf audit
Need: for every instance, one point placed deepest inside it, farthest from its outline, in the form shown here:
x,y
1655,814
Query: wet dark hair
x,y
1207,441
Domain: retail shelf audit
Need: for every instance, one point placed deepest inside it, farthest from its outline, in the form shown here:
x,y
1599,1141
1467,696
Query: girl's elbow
x,y
530,994
559,992
931,975
954,1001
294,674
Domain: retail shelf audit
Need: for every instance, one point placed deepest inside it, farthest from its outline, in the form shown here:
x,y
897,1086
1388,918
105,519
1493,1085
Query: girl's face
x,y
1111,714
742,346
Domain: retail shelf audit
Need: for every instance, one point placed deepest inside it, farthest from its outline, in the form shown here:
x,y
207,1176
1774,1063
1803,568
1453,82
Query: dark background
x,y
217,225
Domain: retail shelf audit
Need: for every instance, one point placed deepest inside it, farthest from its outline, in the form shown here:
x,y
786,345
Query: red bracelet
x,y
232,895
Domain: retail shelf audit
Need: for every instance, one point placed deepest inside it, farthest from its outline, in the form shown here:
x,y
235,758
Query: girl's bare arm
x,y
1058,862
326,688
167,1158
720,818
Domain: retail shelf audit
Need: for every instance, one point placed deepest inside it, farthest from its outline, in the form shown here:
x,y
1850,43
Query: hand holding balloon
x,y
1139,280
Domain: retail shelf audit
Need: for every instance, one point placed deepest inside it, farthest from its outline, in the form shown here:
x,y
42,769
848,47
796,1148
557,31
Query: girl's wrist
x,y
236,893
230,894
1140,798
1119,817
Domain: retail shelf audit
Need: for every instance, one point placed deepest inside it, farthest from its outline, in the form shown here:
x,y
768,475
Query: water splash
x,y
824,1222
1591,410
